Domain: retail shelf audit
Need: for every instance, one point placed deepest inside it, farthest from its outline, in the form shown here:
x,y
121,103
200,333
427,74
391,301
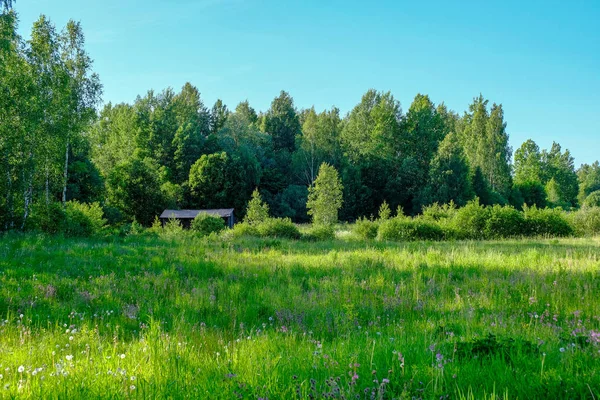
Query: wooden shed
x,y
187,216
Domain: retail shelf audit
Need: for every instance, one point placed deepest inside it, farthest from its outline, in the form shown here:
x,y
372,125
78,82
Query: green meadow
x,y
217,318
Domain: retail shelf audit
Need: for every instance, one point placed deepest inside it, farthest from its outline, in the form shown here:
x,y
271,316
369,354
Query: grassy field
x,y
147,317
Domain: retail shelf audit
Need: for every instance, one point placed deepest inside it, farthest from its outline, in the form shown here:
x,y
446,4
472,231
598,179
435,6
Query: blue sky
x,y
540,59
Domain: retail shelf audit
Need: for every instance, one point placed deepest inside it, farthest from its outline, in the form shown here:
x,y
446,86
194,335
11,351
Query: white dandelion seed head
x,y
132,387
122,356
70,338
69,357
21,369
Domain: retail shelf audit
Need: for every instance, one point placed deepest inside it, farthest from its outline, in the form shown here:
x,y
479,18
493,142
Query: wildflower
x,y
385,381
122,356
69,357
132,378
70,338
21,369
132,387
432,347
21,316
562,349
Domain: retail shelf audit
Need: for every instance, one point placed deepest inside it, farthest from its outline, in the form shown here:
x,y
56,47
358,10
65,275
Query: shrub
x,y
172,228
320,232
49,218
436,212
593,200
205,224
244,229
365,228
278,228
546,222
586,221
83,219
504,222
406,229
257,211
384,211
469,222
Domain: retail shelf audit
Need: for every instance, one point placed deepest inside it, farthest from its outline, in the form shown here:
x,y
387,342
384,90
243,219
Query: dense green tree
x,y
218,115
209,181
528,165
485,142
282,123
318,143
325,196
192,128
560,167
589,180
449,175
244,109
134,188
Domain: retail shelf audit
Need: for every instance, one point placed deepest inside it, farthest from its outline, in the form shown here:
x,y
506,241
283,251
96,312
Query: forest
x,y
63,149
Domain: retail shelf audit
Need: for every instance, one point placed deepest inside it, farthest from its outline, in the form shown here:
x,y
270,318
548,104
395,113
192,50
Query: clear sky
x,y
540,59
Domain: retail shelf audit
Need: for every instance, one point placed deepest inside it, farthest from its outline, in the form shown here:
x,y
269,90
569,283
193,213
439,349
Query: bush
x,y
278,228
365,228
244,229
546,222
172,228
205,224
83,219
504,222
406,229
320,232
593,200
436,212
469,222
586,221
49,218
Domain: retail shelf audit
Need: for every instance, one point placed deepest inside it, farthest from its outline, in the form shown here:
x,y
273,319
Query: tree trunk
x,y
9,205
27,198
66,176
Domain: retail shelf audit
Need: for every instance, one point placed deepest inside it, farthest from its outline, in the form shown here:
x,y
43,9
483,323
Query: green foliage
x,y
282,123
83,219
205,224
244,229
436,212
449,176
546,222
593,200
586,221
49,218
257,211
282,228
532,193
365,229
172,229
504,222
384,211
470,221
320,232
325,197
135,188
406,229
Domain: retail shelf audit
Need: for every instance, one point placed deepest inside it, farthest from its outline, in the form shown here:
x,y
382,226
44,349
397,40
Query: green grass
x,y
145,317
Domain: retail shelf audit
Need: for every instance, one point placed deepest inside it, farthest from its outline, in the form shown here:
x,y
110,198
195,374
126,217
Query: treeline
x,y
169,150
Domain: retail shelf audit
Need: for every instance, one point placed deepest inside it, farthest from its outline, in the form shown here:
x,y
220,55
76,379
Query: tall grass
x,y
187,317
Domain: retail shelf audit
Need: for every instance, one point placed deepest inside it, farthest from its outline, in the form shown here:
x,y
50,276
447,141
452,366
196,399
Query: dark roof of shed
x,y
191,214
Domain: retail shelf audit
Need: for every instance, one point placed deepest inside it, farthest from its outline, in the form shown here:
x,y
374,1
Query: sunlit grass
x,y
144,317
